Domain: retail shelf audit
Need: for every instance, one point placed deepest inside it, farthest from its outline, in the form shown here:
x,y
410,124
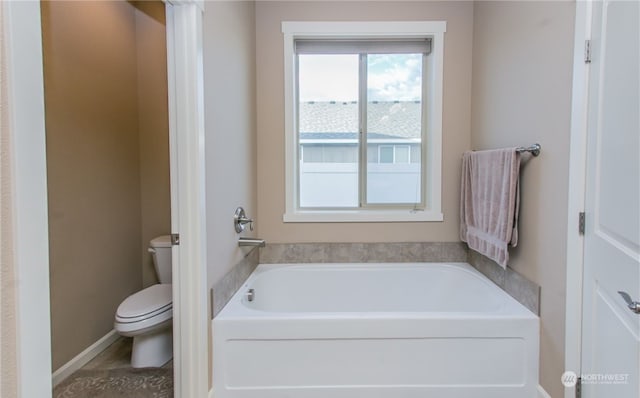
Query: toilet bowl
x,y
147,315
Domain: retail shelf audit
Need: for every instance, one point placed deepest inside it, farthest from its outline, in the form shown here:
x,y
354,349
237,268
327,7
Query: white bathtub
x,y
423,330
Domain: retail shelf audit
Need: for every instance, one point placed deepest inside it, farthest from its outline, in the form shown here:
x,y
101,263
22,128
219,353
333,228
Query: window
x,y
386,154
363,120
394,153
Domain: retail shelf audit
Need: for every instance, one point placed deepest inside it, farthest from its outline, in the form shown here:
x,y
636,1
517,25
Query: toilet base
x,y
152,349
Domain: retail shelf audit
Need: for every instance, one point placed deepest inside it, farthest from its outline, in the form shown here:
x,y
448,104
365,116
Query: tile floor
x,y
116,356
110,375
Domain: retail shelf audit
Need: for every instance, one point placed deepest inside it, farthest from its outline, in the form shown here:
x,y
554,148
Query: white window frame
x,y
433,72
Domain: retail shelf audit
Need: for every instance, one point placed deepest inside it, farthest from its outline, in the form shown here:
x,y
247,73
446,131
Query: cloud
x,y
396,77
328,77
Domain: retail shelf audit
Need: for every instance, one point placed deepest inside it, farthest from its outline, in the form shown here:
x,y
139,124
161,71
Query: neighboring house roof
x,y
345,136
385,119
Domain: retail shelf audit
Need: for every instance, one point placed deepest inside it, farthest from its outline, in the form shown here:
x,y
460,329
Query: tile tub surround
x,y
233,280
516,285
282,253
520,288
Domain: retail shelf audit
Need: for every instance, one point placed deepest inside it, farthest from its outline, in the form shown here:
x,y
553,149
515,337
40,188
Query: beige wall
x,y
270,108
522,71
153,128
230,149
521,54
8,338
102,174
93,168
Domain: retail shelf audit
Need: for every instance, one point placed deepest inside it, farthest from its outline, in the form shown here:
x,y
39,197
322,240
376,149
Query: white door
x,y
611,330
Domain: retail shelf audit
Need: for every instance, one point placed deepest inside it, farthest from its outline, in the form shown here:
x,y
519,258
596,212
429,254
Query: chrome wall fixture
x,y
242,241
240,220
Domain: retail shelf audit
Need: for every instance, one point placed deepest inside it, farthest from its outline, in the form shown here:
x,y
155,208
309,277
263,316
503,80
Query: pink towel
x,y
489,202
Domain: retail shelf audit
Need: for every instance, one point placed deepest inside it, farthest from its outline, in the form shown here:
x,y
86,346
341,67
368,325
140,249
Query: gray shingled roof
x,y
344,136
386,119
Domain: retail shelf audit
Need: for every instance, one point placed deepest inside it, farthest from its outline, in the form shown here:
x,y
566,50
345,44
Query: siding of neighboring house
x,y
329,153
348,153
329,129
329,150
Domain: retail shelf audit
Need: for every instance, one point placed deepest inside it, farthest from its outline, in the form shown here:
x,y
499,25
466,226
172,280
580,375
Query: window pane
x,y
328,130
402,154
386,154
394,117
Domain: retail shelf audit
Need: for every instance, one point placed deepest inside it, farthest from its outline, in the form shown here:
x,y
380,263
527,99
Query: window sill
x,y
338,216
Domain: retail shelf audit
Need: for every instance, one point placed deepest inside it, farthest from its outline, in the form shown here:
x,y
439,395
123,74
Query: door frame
x,y
577,191
187,170
22,30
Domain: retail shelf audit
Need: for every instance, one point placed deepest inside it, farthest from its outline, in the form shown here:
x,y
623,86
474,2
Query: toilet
x,y
147,315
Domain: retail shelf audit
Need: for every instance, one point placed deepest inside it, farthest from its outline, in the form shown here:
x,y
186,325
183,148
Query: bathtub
x,y
415,330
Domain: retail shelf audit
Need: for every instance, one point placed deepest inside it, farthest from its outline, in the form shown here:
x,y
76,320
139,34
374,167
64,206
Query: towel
x,y
489,202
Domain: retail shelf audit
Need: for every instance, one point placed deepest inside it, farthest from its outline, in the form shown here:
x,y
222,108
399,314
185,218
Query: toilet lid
x,y
154,299
161,241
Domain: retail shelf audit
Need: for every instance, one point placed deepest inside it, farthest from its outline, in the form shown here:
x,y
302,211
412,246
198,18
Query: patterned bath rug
x,y
130,383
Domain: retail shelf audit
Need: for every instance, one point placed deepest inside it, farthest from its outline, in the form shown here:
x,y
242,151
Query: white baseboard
x,y
85,356
542,393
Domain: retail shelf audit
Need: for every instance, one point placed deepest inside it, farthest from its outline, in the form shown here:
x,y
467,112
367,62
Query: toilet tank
x,y
161,252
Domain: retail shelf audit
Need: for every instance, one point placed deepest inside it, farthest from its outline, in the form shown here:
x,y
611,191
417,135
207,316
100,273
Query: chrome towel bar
x,y
534,149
